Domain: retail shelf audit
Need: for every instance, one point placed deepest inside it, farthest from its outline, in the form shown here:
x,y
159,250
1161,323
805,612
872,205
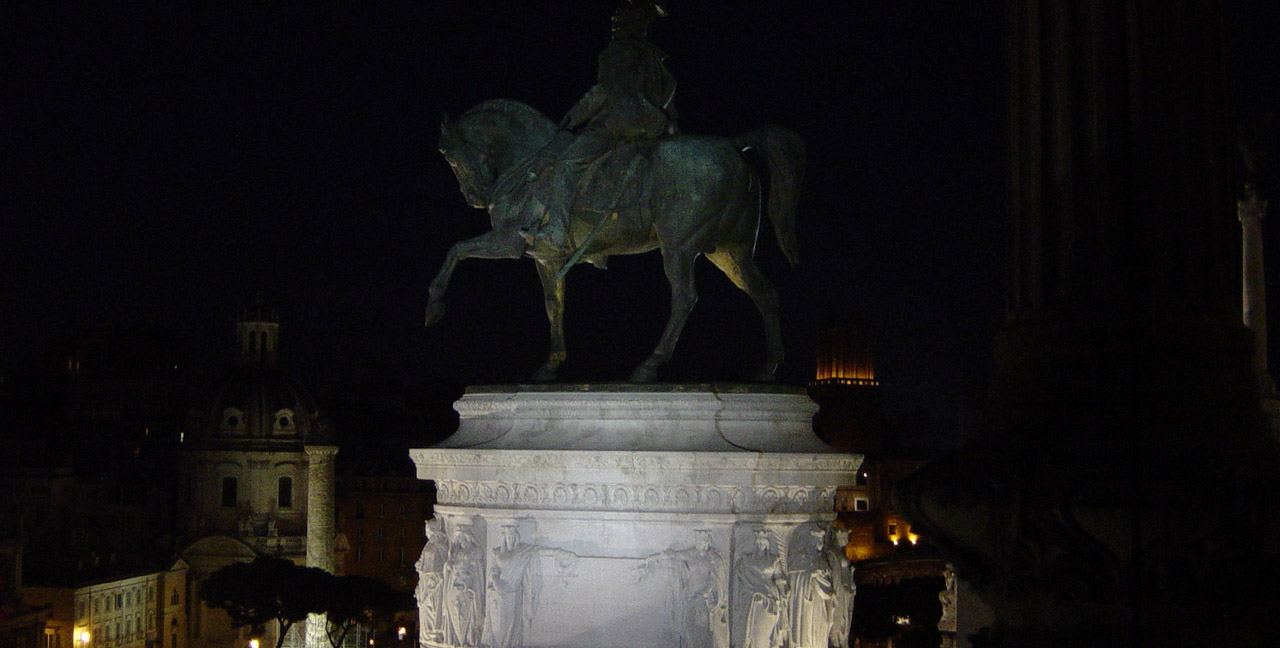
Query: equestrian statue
x,y
617,177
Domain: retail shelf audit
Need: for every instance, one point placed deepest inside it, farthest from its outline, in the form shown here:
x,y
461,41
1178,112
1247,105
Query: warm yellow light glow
x,y
84,637
400,632
912,537
253,643
902,620
844,357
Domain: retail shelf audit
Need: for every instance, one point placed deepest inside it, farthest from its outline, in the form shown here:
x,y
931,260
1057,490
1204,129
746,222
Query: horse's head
x,y
488,140
471,164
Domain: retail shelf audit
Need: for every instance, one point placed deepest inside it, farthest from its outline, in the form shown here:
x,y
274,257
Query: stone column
x,y
1250,213
320,524
1121,488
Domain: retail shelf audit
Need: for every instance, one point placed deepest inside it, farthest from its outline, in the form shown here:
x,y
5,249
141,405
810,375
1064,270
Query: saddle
x,y
610,180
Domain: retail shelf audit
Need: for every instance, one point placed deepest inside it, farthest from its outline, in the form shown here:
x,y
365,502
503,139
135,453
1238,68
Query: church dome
x,y
258,406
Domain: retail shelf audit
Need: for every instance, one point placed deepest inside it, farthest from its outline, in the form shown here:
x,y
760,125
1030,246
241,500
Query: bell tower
x,y
256,336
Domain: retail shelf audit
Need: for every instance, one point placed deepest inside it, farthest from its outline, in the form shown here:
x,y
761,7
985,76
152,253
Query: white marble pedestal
x,y
632,516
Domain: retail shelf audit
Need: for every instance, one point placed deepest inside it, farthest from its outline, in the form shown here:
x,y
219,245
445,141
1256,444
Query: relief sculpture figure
x,y
700,607
947,600
514,585
430,591
760,596
844,590
810,601
463,597
616,178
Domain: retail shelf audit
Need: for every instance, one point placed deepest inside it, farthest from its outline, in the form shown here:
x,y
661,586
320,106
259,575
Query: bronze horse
x,y
687,195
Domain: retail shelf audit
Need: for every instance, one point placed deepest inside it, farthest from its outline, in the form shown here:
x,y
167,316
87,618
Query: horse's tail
x,y
783,153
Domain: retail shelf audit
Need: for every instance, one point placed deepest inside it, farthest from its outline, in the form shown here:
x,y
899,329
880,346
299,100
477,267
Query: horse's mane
x,y
501,124
506,107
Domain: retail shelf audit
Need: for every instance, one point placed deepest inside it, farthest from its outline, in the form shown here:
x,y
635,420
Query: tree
x,y
352,601
267,589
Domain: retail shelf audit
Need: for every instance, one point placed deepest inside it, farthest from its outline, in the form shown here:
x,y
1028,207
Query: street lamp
x,y
253,643
84,638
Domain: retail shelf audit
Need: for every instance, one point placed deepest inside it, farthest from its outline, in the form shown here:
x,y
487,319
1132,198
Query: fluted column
x,y
320,527
1122,451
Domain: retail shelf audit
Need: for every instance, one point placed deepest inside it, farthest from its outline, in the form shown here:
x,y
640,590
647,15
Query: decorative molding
x,y
630,461
632,497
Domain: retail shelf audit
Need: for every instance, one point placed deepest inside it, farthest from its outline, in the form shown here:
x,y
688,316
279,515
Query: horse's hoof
x,y
545,374
643,374
435,310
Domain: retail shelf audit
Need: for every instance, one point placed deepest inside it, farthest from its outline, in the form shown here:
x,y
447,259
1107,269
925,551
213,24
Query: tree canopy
x,y
254,593
360,601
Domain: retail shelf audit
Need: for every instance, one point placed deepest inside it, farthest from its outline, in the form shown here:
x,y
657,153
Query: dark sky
x,y
162,166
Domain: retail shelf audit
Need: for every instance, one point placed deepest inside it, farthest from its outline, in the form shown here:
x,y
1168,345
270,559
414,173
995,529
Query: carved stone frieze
x,y
632,497
631,461
625,515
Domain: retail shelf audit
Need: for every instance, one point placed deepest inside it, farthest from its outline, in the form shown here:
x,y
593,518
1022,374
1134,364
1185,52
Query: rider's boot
x,y
549,232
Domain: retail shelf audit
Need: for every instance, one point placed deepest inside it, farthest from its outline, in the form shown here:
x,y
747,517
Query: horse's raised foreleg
x,y
494,244
553,299
684,294
737,264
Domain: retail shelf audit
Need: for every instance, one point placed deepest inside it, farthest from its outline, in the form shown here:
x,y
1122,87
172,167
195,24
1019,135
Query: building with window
x,y
899,580
140,610
380,516
257,477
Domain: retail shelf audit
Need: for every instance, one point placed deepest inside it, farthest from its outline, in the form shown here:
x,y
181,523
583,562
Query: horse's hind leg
x,y
553,299
737,264
684,294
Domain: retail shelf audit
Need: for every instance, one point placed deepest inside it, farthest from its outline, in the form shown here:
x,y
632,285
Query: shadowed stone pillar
x,y
1251,212
1122,487
320,523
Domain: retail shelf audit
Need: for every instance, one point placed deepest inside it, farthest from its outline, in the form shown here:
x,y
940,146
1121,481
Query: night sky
x,y
163,165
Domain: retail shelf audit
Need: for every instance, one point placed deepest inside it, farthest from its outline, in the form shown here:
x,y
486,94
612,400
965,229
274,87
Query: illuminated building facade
x,y
146,610
257,477
899,580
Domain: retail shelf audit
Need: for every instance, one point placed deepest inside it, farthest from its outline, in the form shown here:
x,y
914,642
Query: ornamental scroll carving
x,y
632,497
633,461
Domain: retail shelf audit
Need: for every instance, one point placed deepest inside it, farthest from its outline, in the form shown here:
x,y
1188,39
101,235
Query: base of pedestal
x,y
634,516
